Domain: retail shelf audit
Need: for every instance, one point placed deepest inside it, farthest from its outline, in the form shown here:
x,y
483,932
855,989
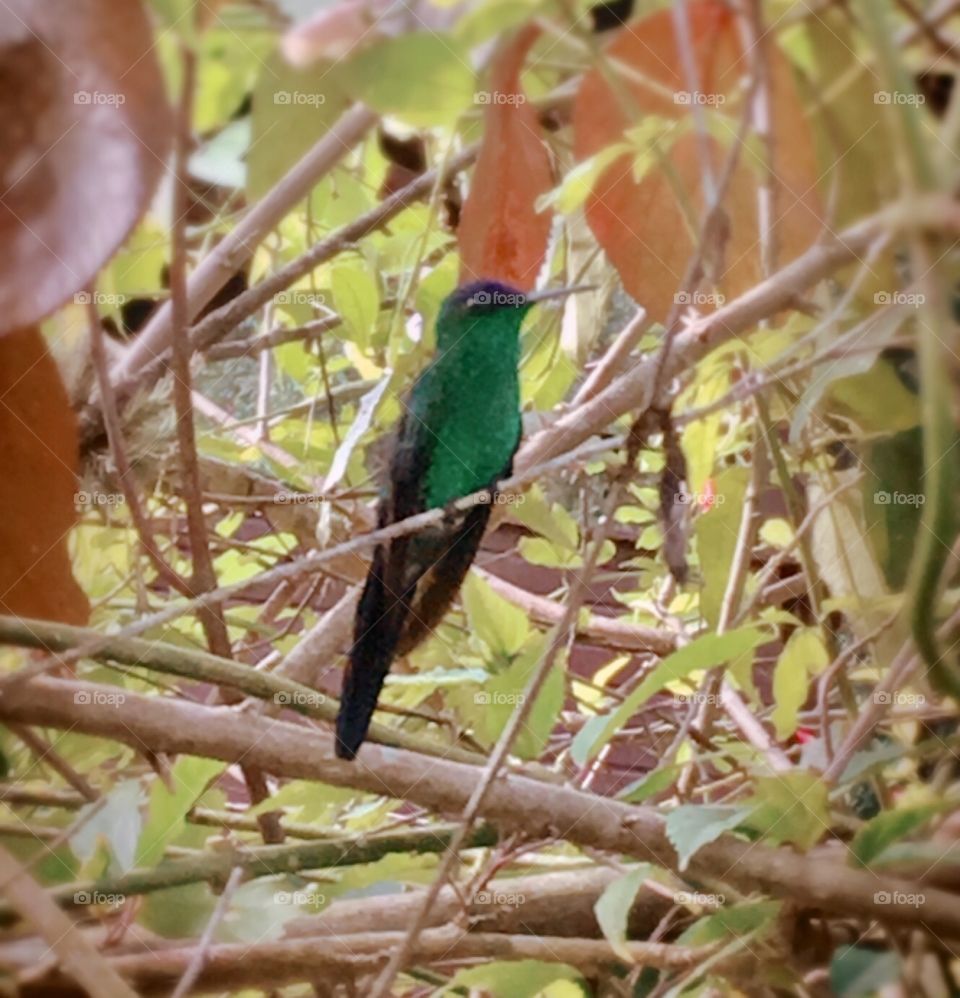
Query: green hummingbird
x,y
459,431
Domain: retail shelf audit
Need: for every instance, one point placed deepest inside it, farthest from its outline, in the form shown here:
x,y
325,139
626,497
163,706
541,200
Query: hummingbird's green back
x,y
465,407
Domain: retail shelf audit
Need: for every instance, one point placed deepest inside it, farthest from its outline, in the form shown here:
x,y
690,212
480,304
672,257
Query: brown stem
x,y
512,803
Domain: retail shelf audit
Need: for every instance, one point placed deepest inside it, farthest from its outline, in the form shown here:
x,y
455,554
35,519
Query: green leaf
x,y
613,906
803,656
653,783
701,437
420,77
876,330
842,546
512,978
576,186
732,923
357,299
858,971
435,678
167,811
889,827
259,909
550,521
705,652
178,912
292,110
716,531
892,507
226,73
503,692
538,551
115,820
790,807
585,738
692,826
542,718
877,400
482,21
138,269
500,625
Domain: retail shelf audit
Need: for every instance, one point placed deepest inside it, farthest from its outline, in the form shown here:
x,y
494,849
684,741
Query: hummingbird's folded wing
x,y
384,605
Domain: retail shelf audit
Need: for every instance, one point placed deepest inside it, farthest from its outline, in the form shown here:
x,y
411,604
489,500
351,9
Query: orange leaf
x,y
84,131
38,455
501,234
641,226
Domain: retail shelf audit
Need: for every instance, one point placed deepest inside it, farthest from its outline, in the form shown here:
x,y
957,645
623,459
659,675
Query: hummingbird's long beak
x,y
548,293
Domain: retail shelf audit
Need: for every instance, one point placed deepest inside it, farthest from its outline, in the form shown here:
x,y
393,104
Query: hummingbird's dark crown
x,y
480,297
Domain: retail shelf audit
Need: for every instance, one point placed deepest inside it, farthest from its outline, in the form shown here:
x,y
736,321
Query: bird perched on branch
x,y
458,434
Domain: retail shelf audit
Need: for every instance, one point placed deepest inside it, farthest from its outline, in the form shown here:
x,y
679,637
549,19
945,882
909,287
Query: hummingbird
x,y
458,434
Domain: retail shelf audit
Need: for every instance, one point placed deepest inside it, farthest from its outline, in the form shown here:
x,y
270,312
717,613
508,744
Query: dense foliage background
x,y
690,727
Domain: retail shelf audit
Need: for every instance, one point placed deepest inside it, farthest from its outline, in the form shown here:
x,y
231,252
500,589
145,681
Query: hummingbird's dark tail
x,y
377,628
388,625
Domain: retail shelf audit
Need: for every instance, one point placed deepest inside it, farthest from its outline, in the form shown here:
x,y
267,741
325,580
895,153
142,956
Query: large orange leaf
x,y
502,236
84,129
641,225
38,453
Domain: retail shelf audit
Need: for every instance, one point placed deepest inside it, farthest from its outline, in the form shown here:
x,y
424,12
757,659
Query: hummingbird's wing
x,y
395,569
449,562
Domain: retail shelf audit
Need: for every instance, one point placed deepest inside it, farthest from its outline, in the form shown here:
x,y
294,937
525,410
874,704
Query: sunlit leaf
x,y
613,907
498,623
513,979
803,657
692,826
889,827
421,78
705,652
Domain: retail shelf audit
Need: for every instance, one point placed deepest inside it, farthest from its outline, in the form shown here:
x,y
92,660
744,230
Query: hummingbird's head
x,y
484,304
487,302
